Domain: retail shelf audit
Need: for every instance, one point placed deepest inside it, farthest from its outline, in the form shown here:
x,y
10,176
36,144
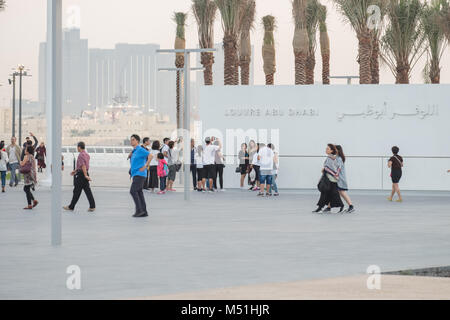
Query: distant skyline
x,y
107,22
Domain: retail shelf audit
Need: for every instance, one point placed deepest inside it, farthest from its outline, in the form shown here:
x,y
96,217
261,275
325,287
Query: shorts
x,y
172,172
396,175
243,168
210,171
200,174
266,179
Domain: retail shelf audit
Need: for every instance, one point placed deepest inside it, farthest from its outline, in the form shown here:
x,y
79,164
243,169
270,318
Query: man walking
x,y
140,160
14,152
81,180
266,160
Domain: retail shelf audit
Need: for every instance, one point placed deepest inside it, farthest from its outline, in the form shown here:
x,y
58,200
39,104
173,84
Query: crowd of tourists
x,y
154,166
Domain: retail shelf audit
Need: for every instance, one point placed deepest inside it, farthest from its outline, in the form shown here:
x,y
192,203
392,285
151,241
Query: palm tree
x,y
230,13
2,4
402,45
245,46
205,14
180,43
445,19
376,34
355,12
312,24
301,40
268,49
324,45
435,37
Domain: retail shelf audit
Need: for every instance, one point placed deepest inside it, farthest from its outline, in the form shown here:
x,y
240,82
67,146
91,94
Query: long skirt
x,y
331,197
153,178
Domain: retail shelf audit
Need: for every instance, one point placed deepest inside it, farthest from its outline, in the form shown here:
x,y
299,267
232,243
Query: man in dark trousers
x,y
81,180
140,160
193,164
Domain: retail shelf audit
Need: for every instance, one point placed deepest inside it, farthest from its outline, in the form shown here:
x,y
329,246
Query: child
x,y
163,172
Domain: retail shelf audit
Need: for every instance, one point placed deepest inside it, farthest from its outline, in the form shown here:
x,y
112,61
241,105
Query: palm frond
x,y
205,14
248,11
269,24
180,19
230,13
2,5
432,29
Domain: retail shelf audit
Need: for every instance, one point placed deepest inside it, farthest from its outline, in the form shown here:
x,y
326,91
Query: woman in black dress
x,y
395,163
153,174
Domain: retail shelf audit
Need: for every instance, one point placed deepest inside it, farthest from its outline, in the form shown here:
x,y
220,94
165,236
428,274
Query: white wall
x,y
366,120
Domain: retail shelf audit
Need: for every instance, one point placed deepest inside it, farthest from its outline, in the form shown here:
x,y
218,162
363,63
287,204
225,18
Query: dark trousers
x,y
138,194
194,175
81,184
219,172
331,197
30,197
162,183
147,180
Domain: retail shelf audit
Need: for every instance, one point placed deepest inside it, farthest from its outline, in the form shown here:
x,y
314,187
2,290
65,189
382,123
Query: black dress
x,y
331,196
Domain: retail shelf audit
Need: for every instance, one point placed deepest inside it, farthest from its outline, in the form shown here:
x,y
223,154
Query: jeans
x,y
14,177
274,186
162,183
80,184
138,194
219,172
30,197
3,176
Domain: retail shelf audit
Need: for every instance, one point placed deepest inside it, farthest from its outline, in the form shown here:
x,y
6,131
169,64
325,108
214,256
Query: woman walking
x,y
153,175
28,169
256,167
276,165
395,163
244,163
342,182
329,194
3,164
41,153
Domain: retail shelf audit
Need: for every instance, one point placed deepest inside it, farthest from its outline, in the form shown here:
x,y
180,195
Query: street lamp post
x,y
20,72
187,108
13,83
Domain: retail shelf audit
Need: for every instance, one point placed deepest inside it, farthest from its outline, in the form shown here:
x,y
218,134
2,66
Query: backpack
x,y
166,170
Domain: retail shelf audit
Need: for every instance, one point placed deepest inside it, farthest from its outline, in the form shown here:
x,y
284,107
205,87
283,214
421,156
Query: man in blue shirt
x,y
140,160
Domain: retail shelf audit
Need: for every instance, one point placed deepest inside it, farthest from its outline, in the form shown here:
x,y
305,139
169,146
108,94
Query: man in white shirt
x,y
209,157
14,152
265,158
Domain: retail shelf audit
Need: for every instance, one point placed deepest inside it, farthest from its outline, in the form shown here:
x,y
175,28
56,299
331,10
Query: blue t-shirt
x,y
138,160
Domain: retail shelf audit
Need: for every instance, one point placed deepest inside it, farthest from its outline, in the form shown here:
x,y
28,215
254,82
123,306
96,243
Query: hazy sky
x,y
106,22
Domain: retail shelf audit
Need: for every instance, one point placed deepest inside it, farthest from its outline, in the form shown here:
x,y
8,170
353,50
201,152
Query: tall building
x,y
75,73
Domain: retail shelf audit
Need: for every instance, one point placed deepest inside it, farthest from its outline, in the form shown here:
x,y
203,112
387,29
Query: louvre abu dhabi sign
x,y
366,120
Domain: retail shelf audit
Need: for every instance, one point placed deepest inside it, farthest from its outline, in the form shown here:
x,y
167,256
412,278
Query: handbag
x,y
324,184
238,170
25,169
178,165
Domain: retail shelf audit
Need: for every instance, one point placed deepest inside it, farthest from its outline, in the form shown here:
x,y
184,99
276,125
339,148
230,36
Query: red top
x,y
83,159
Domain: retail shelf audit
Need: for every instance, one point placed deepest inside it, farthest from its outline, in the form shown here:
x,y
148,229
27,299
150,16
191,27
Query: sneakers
x,y
260,194
172,190
350,209
326,210
276,194
140,215
162,192
318,210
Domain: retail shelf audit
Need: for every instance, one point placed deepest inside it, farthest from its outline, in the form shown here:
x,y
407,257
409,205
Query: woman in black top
x,y
244,162
396,164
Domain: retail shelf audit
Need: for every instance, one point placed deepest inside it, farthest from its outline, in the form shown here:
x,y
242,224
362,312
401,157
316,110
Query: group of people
x,y
260,163
21,160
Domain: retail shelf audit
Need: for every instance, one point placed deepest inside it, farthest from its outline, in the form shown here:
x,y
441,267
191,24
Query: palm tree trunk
x,y
326,68
374,60
435,72
230,51
207,60
269,79
300,66
365,55
310,65
179,63
402,73
245,72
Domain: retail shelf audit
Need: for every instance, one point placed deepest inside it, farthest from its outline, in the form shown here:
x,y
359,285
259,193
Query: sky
x,y
107,22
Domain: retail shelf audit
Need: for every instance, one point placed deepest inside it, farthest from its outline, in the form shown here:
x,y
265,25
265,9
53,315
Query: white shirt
x,y
266,158
3,161
154,161
209,154
174,155
198,160
12,155
165,148
255,160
